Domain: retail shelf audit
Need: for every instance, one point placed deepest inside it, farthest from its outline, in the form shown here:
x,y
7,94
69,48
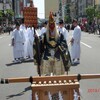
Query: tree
x,y
60,8
9,13
1,14
90,13
67,19
97,14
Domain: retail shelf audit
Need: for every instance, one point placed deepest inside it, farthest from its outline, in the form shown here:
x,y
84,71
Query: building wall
x,y
97,2
18,7
73,9
81,7
26,2
4,5
51,5
1,6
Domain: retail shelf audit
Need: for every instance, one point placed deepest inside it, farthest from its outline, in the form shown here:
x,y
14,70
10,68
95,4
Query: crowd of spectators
x,y
5,29
91,27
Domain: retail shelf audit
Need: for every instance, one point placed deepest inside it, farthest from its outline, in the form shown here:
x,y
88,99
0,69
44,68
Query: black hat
x,y
45,22
74,20
17,23
22,20
61,21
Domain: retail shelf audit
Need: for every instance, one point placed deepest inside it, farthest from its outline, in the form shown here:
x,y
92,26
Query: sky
x,y
40,6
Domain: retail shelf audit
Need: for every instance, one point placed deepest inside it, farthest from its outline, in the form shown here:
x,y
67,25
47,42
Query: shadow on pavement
x,y
10,64
75,64
19,94
27,61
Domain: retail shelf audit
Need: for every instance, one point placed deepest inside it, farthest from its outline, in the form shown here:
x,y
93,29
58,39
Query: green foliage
x,y
10,12
67,9
60,8
90,12
67,19
1,14
97,14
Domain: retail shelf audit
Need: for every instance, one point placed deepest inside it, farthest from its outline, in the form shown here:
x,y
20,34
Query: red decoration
x,y
30,16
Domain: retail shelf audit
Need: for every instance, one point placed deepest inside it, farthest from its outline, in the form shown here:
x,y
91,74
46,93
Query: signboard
x,y
30,16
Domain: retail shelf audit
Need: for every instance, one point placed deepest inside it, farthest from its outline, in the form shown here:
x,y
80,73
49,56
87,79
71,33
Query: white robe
x,y
30,44
19,39
75,47
64,32
14,49
26,42
22,27
42,31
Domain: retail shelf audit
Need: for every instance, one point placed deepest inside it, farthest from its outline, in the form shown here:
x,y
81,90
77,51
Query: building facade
x,y
18,7
4,5
73,9
77,7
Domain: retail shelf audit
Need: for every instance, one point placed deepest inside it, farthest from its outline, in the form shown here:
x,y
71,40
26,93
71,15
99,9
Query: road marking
x,y
86,45
9,45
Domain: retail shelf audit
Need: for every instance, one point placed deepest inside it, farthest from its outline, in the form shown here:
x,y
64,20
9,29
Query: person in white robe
x,y
43,29
22,28
75,43
63,30
14,49
17,43
26,42
30,43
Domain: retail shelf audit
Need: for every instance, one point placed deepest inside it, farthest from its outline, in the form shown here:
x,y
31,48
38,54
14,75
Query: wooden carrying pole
x,y
46,87
52,78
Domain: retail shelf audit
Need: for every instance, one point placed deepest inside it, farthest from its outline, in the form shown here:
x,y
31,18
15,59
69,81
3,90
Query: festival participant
x,y
55,59
22,26
63,30
17,43
44,28
26,42
75,43
30,43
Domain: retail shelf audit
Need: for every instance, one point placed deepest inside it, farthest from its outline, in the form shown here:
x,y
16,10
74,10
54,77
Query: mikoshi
x,y
63,87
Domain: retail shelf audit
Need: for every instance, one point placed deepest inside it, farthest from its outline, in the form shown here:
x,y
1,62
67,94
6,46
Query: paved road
x,y
90,64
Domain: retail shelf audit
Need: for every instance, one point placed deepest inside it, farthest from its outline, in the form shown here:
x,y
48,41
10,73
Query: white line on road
x,y
9,45
86,45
